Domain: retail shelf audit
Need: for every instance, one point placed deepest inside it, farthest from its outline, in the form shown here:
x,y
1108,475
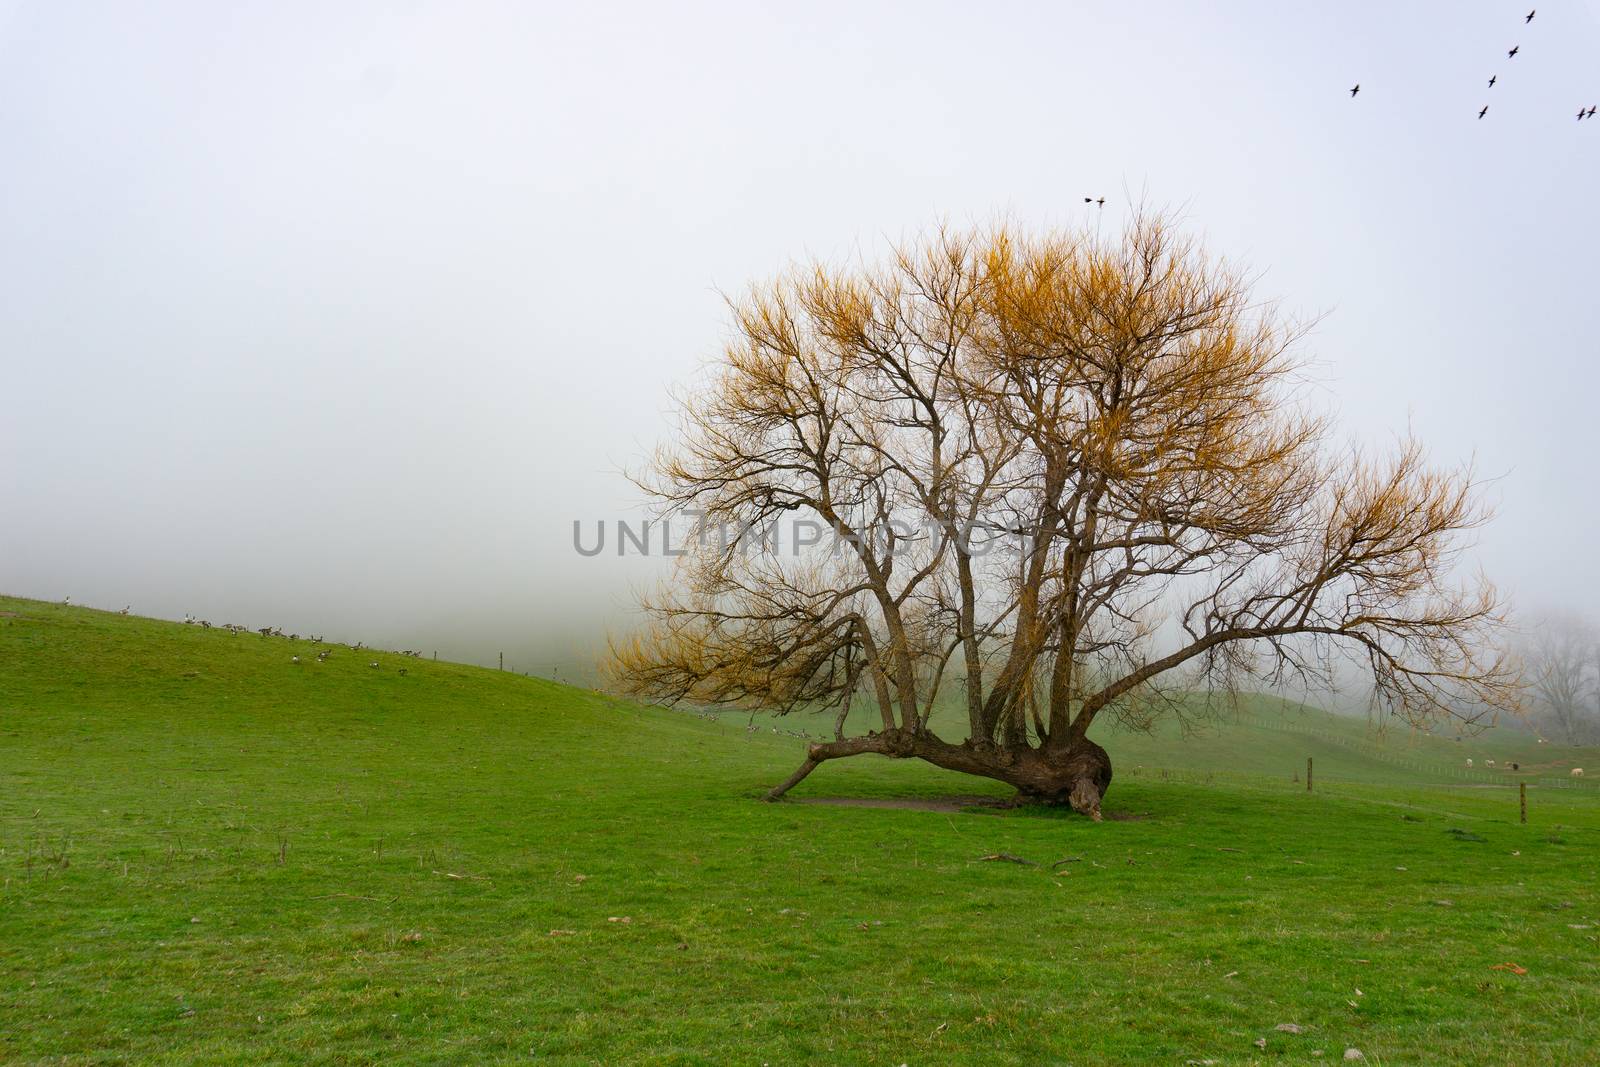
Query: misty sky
x,y
336,316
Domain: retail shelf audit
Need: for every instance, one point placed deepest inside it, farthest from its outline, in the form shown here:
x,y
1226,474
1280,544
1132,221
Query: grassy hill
x,y
1272,737
212,854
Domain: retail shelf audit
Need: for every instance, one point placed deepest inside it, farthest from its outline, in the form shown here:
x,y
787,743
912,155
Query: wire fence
x,y
1500,776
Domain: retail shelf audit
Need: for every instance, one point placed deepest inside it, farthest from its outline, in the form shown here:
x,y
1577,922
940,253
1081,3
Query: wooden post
x,y
1308,774
502,661
1522,788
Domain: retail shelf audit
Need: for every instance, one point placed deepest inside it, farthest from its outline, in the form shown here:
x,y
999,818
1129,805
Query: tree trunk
x,y
1078,775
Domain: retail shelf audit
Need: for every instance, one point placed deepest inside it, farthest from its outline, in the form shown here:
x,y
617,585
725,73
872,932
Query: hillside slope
x,y
212,854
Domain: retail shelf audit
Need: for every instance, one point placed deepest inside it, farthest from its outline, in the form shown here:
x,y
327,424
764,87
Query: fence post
x,y
1523,790
1308,774
502,661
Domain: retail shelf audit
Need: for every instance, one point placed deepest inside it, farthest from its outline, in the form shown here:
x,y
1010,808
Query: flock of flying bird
x,y
1583,113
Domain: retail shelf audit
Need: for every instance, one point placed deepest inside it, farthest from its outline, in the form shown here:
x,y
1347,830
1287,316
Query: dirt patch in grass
x,y
945,804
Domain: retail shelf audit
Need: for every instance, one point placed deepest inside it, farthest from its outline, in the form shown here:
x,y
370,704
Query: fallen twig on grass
x,y
464,877
1007,857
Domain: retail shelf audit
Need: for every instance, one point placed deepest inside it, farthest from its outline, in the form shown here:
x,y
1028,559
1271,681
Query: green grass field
x,y
209,854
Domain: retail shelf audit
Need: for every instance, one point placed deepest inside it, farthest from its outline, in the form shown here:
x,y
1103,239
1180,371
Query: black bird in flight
x,y
1356,90
1513,53
1484,112
1581,114
1492,79
1529,19
1591,111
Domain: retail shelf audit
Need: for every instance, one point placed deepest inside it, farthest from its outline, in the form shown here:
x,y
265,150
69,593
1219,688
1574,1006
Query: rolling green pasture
x,y
211,854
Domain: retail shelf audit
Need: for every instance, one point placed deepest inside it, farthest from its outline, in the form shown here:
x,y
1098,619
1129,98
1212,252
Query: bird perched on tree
x,y
1513,53
1484,112
1356,90
1492,79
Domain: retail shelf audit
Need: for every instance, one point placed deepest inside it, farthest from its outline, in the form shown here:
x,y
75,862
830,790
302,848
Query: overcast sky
x,y
336,316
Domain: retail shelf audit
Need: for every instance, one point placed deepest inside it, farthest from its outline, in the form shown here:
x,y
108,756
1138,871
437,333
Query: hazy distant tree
x,y
1562,656
1071,472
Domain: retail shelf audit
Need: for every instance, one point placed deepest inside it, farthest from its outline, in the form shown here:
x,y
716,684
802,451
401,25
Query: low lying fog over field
x,y
338,318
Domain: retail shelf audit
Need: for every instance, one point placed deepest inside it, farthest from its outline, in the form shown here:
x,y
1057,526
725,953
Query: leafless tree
x,y
1073,473
1562,656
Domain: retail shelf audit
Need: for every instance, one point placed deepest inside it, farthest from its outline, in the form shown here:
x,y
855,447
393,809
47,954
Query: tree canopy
x,y
1060,474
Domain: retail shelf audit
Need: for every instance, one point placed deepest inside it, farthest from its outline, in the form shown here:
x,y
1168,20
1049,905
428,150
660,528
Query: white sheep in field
x,y
1577,772
1469,761
1488,763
